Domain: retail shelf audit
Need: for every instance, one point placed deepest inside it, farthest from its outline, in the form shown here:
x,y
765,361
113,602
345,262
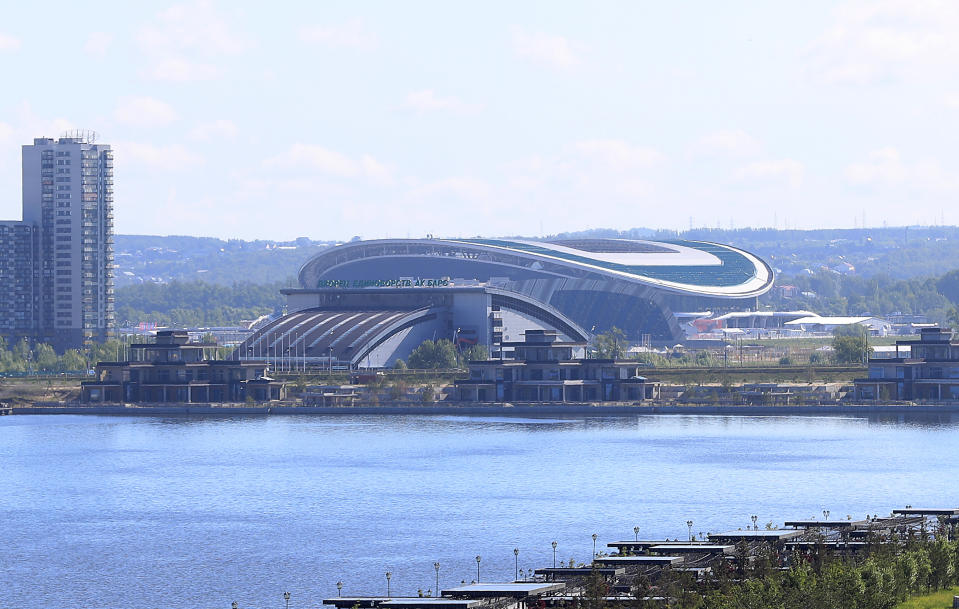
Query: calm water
x,y
101,512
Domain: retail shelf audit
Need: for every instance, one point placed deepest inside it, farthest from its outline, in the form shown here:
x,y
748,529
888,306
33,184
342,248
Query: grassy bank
x,y
936,600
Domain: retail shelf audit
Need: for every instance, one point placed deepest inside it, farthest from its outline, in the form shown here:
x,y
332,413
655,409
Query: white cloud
x,y
167,158
459,186
195,26
9,43
611,174
6,131
353,35
887,40
885,168
331,162
776,171
218,129
725,143
184,40
618,154
428,101
180,69
553,51
144,112
97,44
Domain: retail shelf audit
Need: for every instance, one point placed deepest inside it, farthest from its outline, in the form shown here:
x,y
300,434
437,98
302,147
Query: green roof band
x,y
734,270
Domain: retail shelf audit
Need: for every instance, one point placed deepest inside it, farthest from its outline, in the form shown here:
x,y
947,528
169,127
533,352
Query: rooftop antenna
x,y
86,136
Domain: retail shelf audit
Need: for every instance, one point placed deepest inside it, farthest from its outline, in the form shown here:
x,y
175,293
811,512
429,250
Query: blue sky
x,y
329,120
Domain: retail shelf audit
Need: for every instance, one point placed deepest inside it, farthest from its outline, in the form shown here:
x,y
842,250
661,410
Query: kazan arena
x,y
370,302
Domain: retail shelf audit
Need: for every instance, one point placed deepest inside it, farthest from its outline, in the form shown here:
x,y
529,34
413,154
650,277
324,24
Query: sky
x,y
401,119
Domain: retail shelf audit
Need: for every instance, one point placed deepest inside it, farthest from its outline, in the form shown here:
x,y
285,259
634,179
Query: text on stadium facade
x,y
383,283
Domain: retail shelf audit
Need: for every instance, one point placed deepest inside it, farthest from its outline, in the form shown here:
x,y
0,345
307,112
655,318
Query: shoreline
x,y
542,409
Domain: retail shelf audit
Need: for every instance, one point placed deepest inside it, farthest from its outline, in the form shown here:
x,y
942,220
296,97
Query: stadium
x,y
370,302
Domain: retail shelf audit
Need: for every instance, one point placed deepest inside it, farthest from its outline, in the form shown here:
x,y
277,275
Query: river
x,y
110,512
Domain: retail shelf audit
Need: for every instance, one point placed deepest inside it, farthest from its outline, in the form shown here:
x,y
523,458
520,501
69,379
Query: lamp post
x,y
554,544
754,518
689,523
516,563
825,514
389,576
478,559
339,588
594,544
636,532
286,597
436,567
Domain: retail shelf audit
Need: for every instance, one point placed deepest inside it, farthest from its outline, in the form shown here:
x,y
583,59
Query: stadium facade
x,y
369,302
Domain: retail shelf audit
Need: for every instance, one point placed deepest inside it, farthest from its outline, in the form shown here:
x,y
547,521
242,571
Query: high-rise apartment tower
x,y
66,241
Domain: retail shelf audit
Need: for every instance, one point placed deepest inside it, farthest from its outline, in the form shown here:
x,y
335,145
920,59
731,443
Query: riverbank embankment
x,y
538,409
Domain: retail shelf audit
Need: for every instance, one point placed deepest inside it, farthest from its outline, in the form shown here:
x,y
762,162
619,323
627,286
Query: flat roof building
x,y
57,276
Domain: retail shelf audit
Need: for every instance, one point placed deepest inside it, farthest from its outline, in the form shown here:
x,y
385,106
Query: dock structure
x,y
660,561
574,573
763,535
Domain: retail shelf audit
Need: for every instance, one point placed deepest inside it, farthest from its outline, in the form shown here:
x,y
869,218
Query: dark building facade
x,y
931,372
173,370
19,281
545,369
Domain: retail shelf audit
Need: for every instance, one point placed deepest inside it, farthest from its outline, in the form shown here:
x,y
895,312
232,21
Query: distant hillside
x,y
206,281
151,259
900,252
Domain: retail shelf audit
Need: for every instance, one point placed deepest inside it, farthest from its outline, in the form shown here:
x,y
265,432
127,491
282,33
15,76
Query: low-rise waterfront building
x,y
545,369
929,372
174,370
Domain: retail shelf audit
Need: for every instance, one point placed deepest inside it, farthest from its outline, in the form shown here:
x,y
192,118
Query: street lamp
x,y
286,597
554,544
825,514
339,588
636,532
594,544
478,559
516,563
436,567
389,576
754,518
689,523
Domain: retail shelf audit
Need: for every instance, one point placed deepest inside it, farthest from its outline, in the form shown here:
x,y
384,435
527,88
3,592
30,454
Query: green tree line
x,y
25,357
888,575
833,294
195,303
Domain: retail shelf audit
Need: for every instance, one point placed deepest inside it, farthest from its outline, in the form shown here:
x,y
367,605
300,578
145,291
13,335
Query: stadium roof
x,y
692,267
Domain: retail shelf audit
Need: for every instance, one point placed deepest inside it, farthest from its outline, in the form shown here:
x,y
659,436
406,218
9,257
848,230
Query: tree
x,y
433,355
476,353
428,394
850,344
398,390
611,344
45,357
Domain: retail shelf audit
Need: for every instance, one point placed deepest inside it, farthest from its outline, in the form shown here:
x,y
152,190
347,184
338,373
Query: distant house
x,y
929,372
174,370
787,291
543,369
